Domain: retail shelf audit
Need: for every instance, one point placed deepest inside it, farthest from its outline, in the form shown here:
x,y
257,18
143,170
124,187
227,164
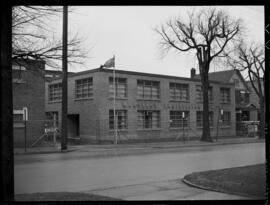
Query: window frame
x,y
117,88
176,120
121,125
199,94
222,92
148,86
141,120
55,97
183,87
80,91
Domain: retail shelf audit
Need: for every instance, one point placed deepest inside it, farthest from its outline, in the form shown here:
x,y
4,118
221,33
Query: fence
x,y
33,133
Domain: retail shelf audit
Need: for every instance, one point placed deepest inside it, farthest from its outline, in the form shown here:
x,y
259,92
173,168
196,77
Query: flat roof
x,y
105,70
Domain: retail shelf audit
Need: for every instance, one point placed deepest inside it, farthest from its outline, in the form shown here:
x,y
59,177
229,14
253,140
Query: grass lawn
x,y
62,196
247,181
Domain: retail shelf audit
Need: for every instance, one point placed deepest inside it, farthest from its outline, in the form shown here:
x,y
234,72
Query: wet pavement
x,y
122,175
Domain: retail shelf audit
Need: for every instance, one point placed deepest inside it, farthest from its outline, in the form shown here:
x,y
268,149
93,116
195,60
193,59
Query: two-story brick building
x,y
28,100
148,106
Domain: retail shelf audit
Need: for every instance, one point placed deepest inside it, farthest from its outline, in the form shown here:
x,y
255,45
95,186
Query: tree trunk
x,y
7,160
206,127
262,119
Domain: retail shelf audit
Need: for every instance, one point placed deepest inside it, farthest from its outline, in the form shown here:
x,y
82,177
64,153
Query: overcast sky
x,y
127,32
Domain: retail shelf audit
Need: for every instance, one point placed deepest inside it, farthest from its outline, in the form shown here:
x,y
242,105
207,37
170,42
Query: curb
x,y
215,190
133,150
44,152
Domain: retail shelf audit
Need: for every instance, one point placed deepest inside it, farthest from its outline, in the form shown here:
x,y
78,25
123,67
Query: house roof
x,y
224,76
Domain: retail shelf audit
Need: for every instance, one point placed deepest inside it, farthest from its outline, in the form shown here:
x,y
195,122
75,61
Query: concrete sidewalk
x,y
133,148
163,190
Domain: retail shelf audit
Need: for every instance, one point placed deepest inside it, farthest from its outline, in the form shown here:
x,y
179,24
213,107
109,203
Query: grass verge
x,y
62,196
249,181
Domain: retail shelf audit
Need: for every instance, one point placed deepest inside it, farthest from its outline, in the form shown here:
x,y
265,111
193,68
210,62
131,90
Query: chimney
x,y
192,73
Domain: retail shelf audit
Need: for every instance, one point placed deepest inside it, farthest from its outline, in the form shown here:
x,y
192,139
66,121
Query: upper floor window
x,y
179,91
55,92
84,88
18,74
148,119
148,89
178,119
120,87
225,95
199,93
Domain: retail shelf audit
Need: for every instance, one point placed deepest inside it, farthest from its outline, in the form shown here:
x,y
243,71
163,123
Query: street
x,y
72,172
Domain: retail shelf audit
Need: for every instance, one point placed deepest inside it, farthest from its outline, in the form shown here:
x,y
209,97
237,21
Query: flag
x,y
110,63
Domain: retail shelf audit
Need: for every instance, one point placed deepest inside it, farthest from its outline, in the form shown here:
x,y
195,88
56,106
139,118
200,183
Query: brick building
x,y
28,100
149,107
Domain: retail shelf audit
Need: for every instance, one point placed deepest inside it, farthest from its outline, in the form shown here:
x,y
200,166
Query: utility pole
x,y
7,160
64,80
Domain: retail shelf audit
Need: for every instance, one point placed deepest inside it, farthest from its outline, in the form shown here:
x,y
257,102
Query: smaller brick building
x,y
149,107
28,100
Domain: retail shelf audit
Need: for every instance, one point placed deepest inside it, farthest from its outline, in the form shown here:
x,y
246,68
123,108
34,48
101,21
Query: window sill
x,y
186,101
225,126
18,125
177,128
119,130
225,103
200,101
52,102
80,99
118,98
148,129
147,99
202,128
18,81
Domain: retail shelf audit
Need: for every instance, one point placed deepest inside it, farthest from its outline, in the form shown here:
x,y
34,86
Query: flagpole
x,y
114,96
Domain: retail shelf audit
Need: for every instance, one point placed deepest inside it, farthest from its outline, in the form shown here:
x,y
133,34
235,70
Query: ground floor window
x,y
121,119
226,118
199,118
148,119
178,119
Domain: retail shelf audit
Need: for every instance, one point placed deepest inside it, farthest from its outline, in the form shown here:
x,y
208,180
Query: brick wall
x,y
29,92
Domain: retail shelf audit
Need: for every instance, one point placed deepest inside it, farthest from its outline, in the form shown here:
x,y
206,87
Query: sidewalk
x,y
133,148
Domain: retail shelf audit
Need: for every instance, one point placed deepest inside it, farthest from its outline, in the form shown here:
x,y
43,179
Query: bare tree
x,y
251,59
207,32
32,37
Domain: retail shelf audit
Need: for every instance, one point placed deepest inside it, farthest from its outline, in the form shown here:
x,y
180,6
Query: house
x,y
148,107
28,100
244,108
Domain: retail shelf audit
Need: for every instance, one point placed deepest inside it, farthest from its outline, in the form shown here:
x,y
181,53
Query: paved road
x,y
79,173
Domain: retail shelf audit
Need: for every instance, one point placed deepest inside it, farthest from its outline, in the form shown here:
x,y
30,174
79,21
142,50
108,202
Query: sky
x,y
128,33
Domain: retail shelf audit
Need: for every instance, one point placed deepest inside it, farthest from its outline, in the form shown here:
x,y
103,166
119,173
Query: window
x,y
121,119
179,91
84,88
199,118
226,118
120,87
148,89
225,95
148,119
55,92
199,93
177,120
18,73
